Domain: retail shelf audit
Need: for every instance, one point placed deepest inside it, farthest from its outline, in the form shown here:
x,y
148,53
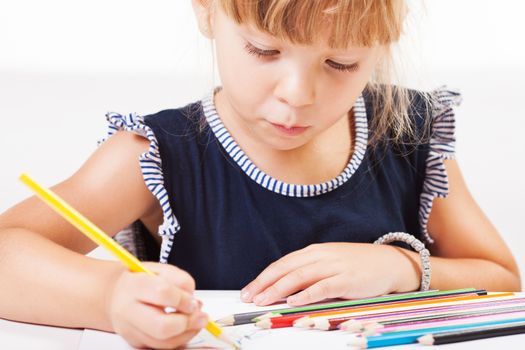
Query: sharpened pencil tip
x,y
235,343
361,343
226,321
303,322
371,329
266,323
322,324
427,339
263,317
351,326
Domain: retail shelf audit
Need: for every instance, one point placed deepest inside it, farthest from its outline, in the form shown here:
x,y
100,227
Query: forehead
x,y
339,24
320,43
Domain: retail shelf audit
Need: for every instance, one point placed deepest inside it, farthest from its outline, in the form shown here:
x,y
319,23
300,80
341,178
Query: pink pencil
x,y
441,310
360,321
373,329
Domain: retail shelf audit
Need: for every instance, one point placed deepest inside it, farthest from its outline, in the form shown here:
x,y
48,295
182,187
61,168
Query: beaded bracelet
x,y
418,246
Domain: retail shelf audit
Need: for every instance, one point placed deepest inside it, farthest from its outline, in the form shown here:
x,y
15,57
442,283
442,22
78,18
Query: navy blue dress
x,y
225,220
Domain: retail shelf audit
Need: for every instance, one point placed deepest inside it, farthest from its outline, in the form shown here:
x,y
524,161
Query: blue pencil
x,y
408,337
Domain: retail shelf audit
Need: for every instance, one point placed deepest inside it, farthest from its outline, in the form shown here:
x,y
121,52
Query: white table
x,y
21,336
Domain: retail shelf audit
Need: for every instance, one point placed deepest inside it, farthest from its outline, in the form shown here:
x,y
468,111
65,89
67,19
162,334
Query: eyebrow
x,y
251,31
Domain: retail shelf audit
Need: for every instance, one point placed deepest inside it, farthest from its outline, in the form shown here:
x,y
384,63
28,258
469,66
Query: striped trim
x,y
268,182
442,146
151,167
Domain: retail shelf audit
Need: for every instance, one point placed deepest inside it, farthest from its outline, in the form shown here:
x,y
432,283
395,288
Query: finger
x,y
131,334
156,323
173,275
144,340
277,270
156,291
198,320
294,281
331,287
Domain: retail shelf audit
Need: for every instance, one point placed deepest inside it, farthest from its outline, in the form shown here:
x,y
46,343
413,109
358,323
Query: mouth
x,y
291,131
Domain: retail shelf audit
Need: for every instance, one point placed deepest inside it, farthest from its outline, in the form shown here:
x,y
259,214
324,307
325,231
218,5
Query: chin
x,y
285,145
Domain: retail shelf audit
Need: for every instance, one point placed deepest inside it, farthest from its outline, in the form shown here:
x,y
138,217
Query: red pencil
x,y
330,324
288,321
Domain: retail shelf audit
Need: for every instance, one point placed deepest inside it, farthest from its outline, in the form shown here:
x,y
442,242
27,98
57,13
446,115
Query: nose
x,y
296,87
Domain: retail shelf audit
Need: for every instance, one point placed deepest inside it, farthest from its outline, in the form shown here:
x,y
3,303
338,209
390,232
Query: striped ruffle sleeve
x,y
442,146
151,167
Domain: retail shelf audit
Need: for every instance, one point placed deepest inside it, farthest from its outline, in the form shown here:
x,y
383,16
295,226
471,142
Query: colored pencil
x,y
329,324
306,319
304,314
251,317
408,337
288,320
102,239
254,316
377,329
355,322
447,315
285,319
377,300
471,334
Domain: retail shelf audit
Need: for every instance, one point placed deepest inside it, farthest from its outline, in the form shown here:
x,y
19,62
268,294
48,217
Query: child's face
x,y
287,85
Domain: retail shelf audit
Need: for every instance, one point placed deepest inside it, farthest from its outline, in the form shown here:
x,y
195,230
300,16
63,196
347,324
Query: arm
x,y
468,252
47,279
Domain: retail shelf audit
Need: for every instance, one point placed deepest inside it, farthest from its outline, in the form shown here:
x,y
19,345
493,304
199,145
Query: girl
x,y
277,183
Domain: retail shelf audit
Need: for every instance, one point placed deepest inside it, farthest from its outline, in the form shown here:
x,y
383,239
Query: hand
x,y
136,307
333,270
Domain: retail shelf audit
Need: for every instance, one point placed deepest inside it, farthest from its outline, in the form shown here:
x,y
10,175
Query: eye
x,y
343,67
253,50
259,52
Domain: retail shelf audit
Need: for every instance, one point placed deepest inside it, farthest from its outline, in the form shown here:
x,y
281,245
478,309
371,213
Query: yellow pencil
x,y
102,239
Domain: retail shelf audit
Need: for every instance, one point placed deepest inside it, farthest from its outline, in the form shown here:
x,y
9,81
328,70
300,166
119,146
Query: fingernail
x,y
291,300
194,305
245,295
199,303
202,321
260,299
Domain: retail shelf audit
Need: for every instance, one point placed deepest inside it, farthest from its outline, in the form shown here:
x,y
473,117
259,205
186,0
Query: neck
x,y
319,160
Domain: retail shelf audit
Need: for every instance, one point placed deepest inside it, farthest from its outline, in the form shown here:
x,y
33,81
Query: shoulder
x,y
189,118
424,111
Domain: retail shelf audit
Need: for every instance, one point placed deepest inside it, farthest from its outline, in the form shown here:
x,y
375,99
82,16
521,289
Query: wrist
x,y
419,247
107,288
408,268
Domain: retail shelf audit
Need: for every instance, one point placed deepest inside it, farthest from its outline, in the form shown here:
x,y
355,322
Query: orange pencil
x,y
288,321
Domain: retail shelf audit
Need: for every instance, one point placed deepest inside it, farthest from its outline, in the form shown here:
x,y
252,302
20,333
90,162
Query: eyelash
x,y
268,53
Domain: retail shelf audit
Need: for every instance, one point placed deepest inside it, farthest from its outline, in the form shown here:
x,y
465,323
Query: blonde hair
x,y
356,22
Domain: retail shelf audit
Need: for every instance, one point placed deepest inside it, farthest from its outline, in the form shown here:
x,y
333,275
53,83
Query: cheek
x,y
335,101
243,79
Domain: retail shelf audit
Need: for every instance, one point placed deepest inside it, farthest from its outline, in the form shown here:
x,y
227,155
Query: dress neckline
x,y
293,190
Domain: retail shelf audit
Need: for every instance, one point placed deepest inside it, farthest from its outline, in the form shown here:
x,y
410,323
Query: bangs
x,y
342,22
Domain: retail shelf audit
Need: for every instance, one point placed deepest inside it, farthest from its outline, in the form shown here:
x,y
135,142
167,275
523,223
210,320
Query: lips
x,y
291,131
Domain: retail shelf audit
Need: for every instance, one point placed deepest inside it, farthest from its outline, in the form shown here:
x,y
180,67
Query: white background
x,y
63,64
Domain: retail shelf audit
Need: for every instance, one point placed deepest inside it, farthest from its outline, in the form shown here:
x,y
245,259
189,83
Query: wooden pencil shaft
x,y
287,320
407,337
455,337
335,322
382,300
245,319
84,225
462,305
369,306
94,233
254,314
444,322
447,316
251,317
